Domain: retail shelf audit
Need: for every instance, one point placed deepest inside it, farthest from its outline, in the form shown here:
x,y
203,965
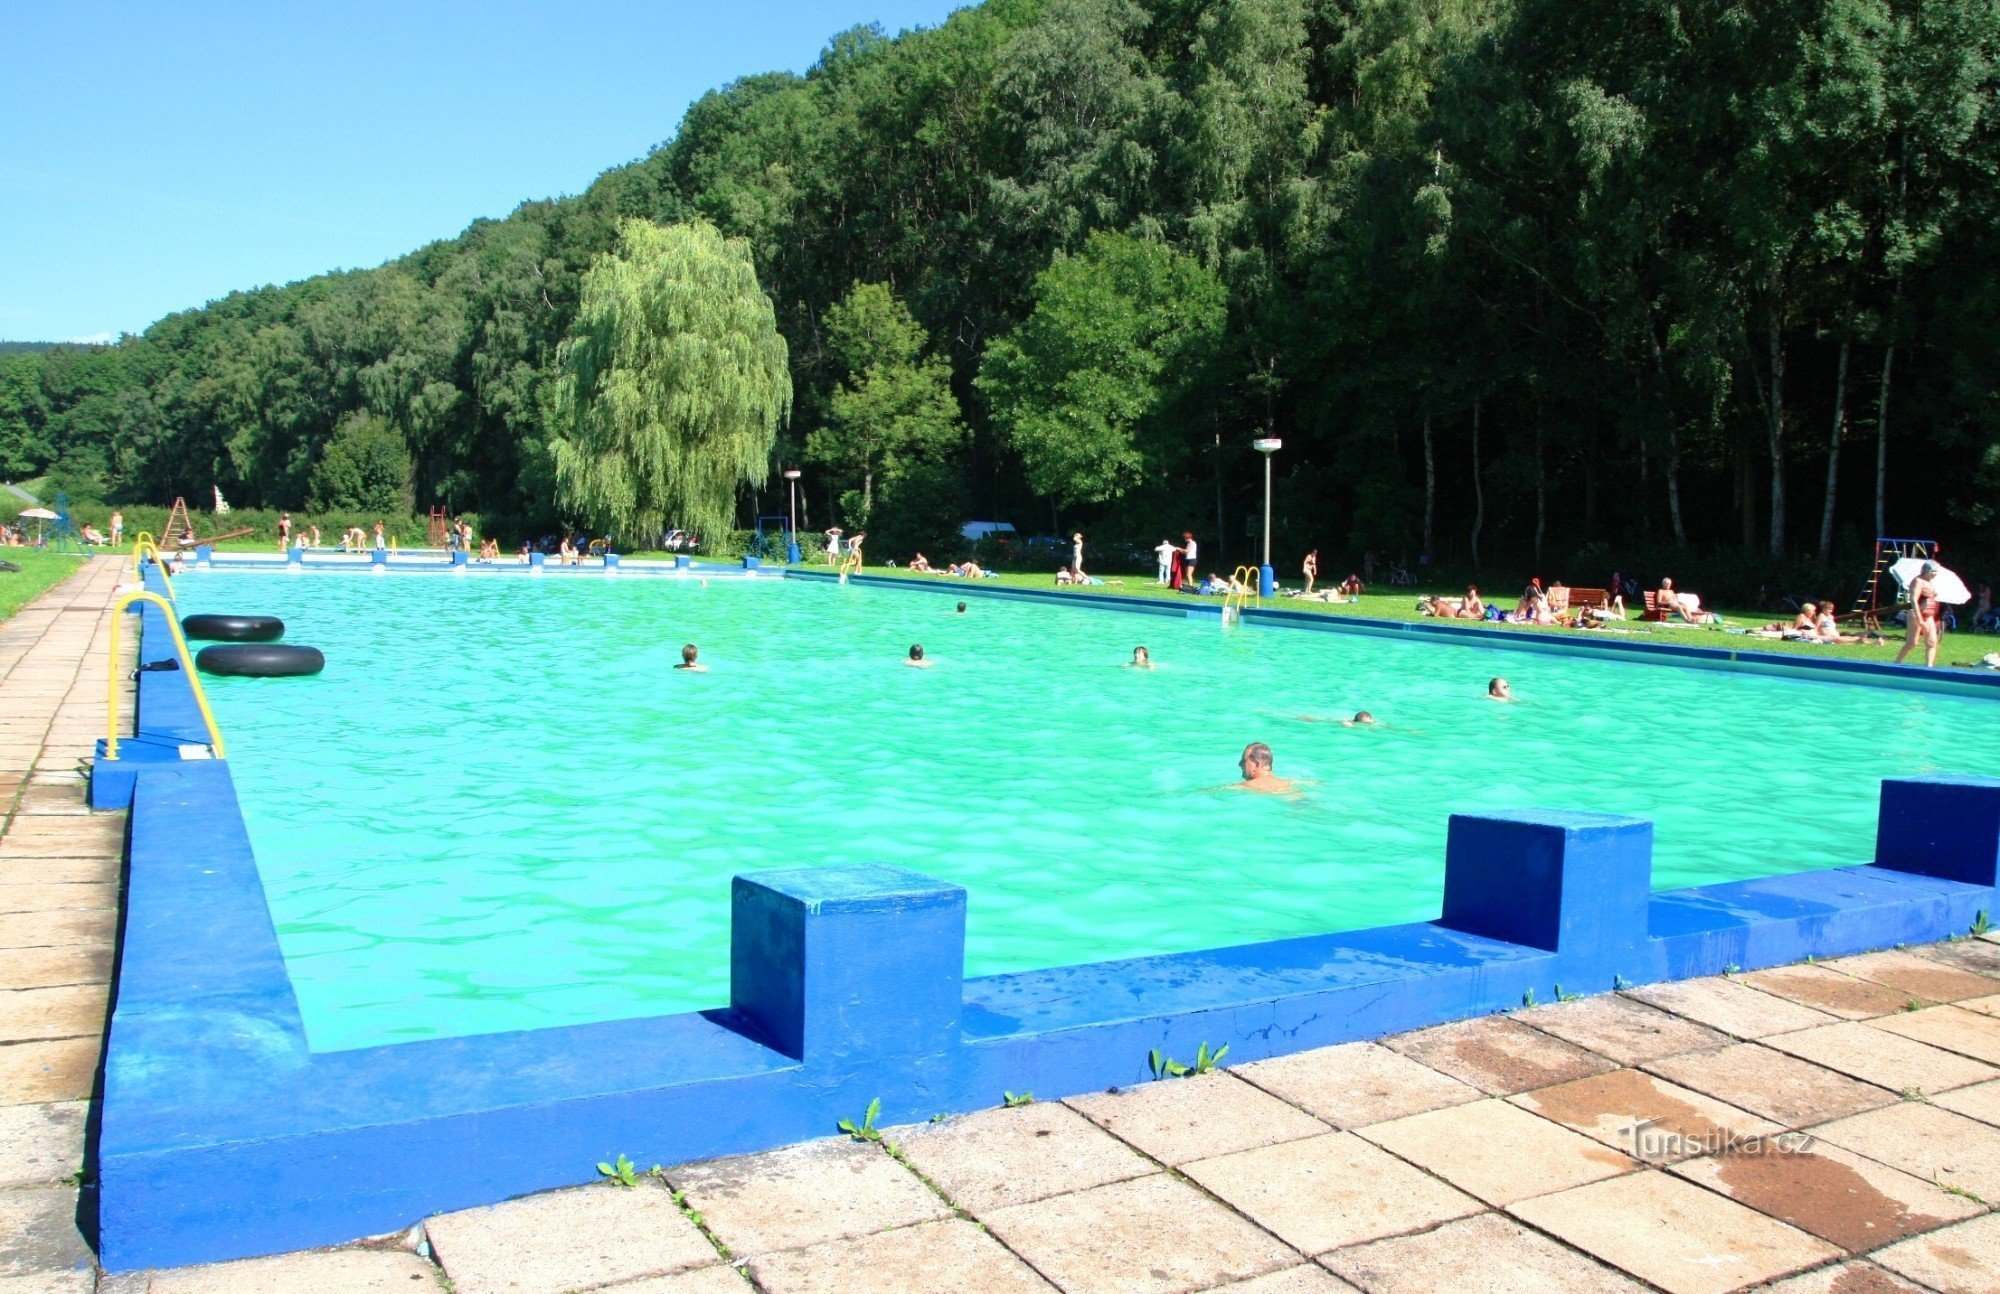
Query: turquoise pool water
x,y
500,808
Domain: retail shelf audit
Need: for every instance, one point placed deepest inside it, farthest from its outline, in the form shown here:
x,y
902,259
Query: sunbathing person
x,y
969,569
1472,608
922,564
1352,586
1257,775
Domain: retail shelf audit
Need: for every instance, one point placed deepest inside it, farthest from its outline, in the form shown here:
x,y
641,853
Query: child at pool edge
x,y
690,661
916,659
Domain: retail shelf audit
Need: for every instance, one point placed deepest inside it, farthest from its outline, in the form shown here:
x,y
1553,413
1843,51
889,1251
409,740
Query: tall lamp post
x,y
792,479
1267,579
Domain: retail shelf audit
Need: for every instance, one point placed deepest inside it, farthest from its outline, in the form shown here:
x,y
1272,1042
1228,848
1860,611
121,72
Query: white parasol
x,y
1949,587
40,515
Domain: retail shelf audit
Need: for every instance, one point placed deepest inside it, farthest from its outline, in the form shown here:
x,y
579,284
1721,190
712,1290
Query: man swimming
x,y
689,654
1361,719
1497,690
916,659
961,608
1257,775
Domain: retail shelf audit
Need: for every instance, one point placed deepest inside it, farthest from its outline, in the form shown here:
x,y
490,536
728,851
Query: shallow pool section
x,y
501,808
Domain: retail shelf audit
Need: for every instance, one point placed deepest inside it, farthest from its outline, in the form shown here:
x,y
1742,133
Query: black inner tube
x,y
233,629
260,660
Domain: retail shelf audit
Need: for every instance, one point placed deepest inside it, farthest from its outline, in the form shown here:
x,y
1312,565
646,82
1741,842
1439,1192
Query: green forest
x,y
1516,281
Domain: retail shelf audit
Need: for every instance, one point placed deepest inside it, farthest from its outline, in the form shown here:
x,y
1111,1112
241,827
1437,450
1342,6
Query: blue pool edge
x,y
223,1135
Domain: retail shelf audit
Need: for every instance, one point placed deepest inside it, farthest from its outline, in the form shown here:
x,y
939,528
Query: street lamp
x,y
792,479
1267,580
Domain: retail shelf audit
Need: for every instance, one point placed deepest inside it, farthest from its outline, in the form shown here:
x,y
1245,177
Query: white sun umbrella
x,y
40,515
1949,587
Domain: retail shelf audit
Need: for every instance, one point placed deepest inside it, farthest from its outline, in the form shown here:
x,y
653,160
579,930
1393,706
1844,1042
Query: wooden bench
x,y
1586,600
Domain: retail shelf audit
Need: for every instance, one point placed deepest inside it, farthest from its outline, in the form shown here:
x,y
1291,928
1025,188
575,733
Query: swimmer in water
x,y
916,660
1497,690
1257,775
689,654
1141,659
961,608
1361,719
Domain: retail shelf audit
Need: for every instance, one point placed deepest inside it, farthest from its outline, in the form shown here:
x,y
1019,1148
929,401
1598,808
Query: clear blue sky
x,y
159,155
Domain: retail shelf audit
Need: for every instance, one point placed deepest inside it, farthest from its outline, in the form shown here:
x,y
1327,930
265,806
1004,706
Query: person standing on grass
x,y
1076,555
117,528
1310,568
284,531
833,546
1164,554
1188,555
1926,616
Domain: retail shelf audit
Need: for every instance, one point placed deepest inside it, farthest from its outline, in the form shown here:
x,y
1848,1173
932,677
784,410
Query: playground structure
x,y
439,533
782,525
179,530
1881,593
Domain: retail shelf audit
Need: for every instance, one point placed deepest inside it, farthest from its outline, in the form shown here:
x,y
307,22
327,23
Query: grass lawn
x,y
39,570
1958,648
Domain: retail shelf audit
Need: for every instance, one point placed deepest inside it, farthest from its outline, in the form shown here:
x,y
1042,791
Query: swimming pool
x,y
500,808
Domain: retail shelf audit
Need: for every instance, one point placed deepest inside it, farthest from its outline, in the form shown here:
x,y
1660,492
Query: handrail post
x,y
215,743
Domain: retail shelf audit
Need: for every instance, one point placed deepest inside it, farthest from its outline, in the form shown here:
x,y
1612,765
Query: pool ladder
x,y
1243,586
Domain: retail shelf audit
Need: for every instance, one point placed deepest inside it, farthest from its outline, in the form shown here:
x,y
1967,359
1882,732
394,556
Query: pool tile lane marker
x,y
58,903
844,990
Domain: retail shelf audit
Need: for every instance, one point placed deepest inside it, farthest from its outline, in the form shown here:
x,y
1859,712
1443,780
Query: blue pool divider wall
x,y
224,1134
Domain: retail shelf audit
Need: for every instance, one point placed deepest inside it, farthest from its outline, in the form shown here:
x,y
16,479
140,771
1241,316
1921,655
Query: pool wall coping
x,y
224,1135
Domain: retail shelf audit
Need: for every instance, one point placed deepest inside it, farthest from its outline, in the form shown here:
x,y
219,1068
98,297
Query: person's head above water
x,y
1361,718
1499,691
961,608
1255,761
689,656
916,651
1142,658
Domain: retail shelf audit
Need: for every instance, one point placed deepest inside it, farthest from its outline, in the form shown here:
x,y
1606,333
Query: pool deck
x,y
1620,1142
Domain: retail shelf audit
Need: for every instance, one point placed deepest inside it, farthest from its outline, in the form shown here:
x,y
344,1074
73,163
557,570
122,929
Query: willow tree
x,y
675,380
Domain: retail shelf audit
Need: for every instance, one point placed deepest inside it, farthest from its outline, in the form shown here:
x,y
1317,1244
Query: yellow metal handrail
x,y
1243,585
143,545
187,663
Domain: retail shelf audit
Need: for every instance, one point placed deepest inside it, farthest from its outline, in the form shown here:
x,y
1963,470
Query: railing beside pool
x,y
224,1134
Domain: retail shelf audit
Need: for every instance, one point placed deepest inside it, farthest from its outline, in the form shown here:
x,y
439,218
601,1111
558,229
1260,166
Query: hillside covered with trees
x,y
1514,280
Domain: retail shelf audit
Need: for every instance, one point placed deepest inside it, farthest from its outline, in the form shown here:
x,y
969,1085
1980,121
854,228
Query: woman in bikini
x,y
1926,616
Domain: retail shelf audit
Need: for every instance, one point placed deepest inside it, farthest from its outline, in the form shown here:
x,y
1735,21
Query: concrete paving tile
x,y
1000,1157
52,799
1770,1083
38,1232
930,1258
334,1271
1969,1033
1357,1083
56,897
822,1190
722,1279
1498,1152
1491,1254
59,872
1835,1194
1621,1029
1829,991
1498,1055
1937,1145
41,1144
1980,956
1882,1058
1964,1259
1981,1101
1913,976
1292,1280
1198,1117
1645,1117
72,1282
1856,1277
1731,1006
564,1240
37,1073
1684,1239
1330,1190
47,967
1150,1235
70,1011
57,929
1983,1005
